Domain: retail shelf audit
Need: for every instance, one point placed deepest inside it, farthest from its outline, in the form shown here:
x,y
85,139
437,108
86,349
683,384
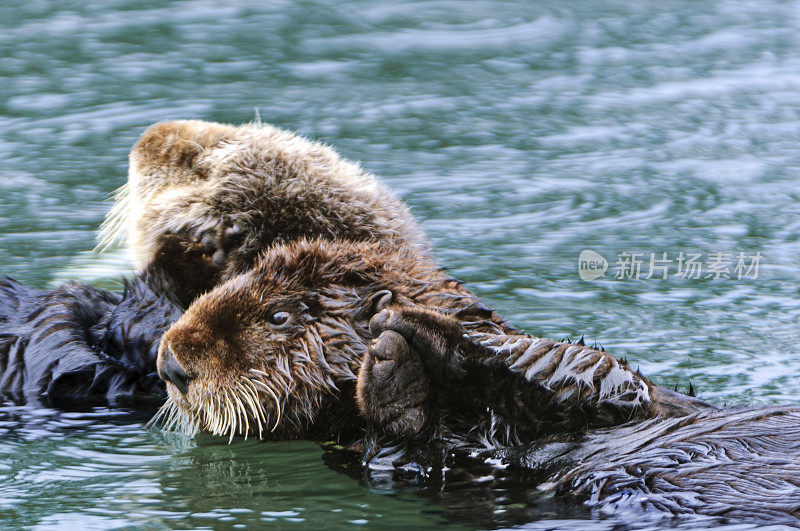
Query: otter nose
x,y
171,371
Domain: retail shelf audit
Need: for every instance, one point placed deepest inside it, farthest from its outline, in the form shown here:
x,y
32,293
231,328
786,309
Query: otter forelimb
x,y
538,385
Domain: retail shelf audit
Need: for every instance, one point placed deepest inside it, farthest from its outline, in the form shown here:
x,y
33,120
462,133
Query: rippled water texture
x,y
520,133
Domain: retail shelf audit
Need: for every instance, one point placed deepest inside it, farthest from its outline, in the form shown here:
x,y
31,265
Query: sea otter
x,y
320,330
225,193
202,200
299,345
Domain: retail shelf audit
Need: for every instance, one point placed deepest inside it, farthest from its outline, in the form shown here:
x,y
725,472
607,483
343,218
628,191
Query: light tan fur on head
x,y
203,181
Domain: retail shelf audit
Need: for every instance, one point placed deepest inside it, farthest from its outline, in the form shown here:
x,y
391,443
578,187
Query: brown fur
x,y
225,193
225,341
742,465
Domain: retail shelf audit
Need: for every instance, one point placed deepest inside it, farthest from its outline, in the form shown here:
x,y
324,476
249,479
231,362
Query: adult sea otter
x,y
277,352
344,328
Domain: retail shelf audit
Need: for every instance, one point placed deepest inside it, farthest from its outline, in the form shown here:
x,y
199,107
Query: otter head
x,y
270,351
203,199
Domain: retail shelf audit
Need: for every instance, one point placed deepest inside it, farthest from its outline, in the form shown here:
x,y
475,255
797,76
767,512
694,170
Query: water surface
x,y
520,133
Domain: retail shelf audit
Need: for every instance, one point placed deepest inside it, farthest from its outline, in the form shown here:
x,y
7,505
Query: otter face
x,y
226,193
266,353
245,360
275,351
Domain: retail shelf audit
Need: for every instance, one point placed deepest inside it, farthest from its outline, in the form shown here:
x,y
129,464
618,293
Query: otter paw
x,y
438,338
218,242
393,390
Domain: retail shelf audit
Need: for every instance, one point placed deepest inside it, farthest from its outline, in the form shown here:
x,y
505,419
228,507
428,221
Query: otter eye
x,y
279,318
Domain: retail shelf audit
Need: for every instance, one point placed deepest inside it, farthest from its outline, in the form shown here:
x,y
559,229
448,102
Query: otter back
x,y
228,192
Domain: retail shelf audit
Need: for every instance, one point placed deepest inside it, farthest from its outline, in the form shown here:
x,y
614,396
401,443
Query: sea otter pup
x,y
225,193
275,352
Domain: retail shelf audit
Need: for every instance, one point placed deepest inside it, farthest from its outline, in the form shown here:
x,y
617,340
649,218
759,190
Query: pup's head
x,y
223,194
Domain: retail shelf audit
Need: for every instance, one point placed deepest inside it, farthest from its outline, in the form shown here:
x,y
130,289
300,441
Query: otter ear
x,y
378,301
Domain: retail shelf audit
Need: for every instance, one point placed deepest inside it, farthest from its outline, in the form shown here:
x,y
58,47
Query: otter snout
x,y
171,371
200,352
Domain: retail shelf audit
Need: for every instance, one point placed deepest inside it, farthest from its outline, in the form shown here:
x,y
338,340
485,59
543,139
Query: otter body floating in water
x,y
275,352
79,341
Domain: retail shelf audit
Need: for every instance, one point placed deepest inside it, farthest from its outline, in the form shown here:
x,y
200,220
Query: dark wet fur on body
x,y
83,342
333,297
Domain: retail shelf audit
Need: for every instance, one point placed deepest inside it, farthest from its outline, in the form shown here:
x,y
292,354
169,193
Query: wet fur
x,y
79,341
468,352
742,465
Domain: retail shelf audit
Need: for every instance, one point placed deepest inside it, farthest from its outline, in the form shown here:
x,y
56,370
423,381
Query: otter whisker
x,y
247,401
219,414
241,414
229,411
277,402
261,409
187,423
251,396
230,421
236,421
216,415
210,418
160,414
174,418
271,391
222,413
262,373
170,417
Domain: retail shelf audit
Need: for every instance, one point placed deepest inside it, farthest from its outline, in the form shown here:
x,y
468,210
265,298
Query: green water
x,y
519,133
